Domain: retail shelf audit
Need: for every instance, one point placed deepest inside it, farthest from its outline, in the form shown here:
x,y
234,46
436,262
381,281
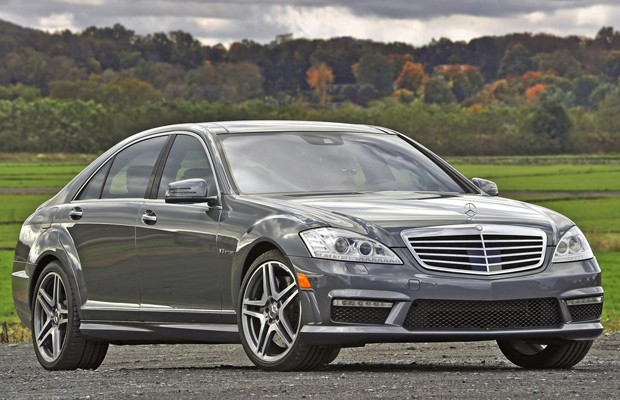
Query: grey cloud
x,y
250,18
239,9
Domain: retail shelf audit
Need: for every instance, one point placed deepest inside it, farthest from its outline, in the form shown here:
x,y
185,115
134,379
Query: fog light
x,y
362,303
585,300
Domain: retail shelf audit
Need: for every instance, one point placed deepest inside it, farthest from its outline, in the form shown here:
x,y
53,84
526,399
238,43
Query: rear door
x,y
101,222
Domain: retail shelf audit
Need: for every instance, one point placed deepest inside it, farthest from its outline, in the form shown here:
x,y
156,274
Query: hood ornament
x,y
470,210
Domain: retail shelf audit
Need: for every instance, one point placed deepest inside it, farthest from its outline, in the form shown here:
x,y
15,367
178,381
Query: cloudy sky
x,y
412,21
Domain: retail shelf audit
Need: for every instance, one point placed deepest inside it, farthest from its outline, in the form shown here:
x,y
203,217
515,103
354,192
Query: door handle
x,y
149,217
76,213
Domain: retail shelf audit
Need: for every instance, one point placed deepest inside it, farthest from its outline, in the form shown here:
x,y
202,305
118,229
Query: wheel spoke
x,y
256,303
56,342
42,299
266,286
290,298
282,335
56,291
254,314
263,339
63,317
44,332
272,280
278,296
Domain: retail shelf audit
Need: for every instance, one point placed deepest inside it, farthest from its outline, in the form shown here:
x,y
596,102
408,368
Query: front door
x,y
176,244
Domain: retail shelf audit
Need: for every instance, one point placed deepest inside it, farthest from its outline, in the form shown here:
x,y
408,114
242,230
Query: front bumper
x,y
405,286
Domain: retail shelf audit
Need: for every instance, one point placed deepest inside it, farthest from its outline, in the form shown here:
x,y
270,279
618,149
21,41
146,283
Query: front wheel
x,y
57,341
539,356
269,318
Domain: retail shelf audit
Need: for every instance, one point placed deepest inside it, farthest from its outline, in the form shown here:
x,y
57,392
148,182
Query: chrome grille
x,y
477,249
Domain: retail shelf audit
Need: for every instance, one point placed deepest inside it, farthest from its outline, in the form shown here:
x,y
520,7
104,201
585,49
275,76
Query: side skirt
x,y
162,333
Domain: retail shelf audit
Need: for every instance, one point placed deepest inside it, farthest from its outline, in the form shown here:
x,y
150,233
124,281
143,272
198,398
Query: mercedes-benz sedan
x,y
296,239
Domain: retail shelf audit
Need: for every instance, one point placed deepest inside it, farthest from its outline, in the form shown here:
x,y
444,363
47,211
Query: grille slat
x,y
491,249
505,314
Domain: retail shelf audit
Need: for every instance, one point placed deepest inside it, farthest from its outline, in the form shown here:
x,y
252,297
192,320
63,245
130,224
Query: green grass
x,y
17,207
610,265
14,209
547,177
591,215
7,312
32,175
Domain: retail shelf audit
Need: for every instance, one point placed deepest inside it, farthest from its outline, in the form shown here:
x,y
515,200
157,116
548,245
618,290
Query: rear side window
x,y
132,168
128,174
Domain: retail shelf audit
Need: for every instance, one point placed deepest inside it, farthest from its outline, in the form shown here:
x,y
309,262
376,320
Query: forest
x,y
497,95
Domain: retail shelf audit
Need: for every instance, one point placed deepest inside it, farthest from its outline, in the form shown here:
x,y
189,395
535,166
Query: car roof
x,y
287,126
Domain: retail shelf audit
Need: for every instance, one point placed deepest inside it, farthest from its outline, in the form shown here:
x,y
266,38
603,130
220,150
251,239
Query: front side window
x,y
187,160
330,162
132,168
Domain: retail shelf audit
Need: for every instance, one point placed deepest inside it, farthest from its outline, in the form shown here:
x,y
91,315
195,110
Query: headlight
x,y
339,244
572,247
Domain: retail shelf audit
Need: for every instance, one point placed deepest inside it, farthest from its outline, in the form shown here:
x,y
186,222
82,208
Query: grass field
x,y
582,188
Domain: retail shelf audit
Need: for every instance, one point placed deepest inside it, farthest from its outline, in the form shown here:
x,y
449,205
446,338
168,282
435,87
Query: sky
x,y
415,22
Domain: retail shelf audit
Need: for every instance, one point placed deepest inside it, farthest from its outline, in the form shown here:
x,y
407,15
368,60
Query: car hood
x,y
384,216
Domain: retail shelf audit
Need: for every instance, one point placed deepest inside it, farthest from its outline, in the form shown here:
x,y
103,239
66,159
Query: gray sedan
x,y
296,239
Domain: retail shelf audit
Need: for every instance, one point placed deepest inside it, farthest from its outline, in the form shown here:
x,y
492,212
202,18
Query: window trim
x,y
162,163
158,167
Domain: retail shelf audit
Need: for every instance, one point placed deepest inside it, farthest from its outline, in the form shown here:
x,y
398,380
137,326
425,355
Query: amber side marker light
x,y
304,282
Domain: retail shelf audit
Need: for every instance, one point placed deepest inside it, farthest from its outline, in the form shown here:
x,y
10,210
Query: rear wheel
x,y
269,318
56,338
539,356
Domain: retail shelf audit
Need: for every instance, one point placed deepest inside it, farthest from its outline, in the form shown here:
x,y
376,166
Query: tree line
x,y
512,94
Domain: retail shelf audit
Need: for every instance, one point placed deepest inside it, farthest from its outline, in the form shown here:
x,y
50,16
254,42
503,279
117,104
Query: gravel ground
x,y
419,370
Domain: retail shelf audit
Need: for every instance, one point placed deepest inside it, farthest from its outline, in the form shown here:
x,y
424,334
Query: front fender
x,y
275,231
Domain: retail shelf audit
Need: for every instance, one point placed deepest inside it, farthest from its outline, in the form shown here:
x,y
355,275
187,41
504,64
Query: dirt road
x,y
424,371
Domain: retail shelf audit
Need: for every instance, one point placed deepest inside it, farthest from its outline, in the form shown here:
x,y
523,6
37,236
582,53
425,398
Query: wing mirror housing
x,y
195,190
488,187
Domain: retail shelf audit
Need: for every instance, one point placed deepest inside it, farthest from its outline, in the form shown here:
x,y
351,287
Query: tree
x,y
320,77
551,124
437,91
516,61
560,62
411,77
238,82
612,64
374,69
584,85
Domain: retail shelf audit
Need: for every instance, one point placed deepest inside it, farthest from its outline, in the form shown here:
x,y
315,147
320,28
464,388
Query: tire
x,y
56,337
536,356
269,318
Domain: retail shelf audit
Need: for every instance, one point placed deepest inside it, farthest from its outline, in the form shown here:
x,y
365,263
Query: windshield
x,y
316,162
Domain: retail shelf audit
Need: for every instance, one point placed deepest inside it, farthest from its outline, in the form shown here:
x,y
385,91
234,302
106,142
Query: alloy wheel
x,y
271,311
51,316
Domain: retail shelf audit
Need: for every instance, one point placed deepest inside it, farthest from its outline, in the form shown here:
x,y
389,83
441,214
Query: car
x,y
296,239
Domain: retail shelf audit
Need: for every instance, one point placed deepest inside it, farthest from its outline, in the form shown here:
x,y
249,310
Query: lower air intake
x,y
507,314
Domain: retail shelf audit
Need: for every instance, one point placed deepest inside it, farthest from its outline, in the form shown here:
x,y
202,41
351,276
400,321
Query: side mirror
x,y
488,187
189,191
